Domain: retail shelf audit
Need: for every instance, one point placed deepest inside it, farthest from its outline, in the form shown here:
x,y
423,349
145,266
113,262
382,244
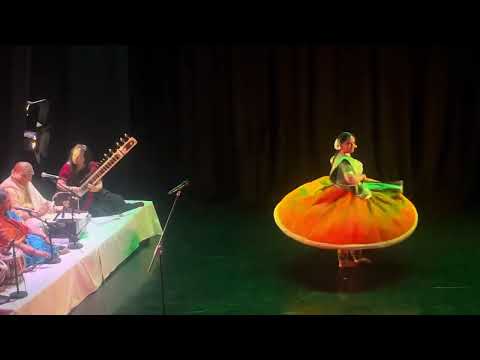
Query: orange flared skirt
x,y
324,215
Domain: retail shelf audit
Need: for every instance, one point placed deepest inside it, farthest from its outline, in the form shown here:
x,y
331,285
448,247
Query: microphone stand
x,y
73,236
16,294
73,243
158,248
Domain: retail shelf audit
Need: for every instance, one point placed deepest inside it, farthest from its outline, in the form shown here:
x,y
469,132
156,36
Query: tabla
x,y
66,200
3,271
10,262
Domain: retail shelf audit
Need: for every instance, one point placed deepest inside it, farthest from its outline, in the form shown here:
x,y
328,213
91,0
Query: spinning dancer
x,y
347,211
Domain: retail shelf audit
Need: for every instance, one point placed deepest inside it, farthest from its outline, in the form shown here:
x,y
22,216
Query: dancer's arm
x,y
349,175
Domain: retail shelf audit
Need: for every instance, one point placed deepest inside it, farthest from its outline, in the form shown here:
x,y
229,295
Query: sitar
x,y
109,161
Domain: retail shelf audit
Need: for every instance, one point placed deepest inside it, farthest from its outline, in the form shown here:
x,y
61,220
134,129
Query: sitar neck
x,y
108,163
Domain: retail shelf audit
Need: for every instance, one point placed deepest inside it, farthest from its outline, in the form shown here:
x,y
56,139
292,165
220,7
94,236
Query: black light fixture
x,y
37,134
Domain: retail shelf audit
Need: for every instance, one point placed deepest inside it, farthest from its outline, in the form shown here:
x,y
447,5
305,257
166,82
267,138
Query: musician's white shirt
x,y
24,196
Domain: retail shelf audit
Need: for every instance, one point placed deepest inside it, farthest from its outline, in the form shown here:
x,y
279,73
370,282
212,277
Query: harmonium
x,y
62,226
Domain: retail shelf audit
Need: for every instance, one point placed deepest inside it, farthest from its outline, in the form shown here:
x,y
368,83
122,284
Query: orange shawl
x,y
11,230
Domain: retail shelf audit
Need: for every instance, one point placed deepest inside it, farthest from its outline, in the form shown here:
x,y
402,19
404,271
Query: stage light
x,y
30,140
37,135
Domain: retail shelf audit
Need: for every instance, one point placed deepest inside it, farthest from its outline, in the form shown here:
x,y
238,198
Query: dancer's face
x,y
349,145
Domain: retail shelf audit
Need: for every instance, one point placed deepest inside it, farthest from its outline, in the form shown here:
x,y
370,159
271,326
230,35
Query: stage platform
x,y
56,289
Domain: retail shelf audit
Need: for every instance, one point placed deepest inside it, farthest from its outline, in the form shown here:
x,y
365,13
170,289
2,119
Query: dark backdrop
x,y
247,123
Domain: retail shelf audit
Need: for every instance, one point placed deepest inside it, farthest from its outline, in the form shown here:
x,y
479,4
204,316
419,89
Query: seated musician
x,y
97,201
23,193
30,241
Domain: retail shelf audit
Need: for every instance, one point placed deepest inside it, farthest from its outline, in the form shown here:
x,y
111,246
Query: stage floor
x,y
58,288
222,260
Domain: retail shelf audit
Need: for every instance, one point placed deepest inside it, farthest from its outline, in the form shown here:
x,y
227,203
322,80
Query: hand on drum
x,y
42,210
41,253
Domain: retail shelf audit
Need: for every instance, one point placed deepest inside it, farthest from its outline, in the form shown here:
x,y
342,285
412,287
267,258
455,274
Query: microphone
x,y
48,176
185,183
23,209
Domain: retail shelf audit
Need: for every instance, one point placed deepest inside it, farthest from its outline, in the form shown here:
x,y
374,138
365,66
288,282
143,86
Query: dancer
x,y
346,211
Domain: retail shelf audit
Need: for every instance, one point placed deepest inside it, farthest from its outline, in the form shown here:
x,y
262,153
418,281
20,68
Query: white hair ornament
x,y
336,144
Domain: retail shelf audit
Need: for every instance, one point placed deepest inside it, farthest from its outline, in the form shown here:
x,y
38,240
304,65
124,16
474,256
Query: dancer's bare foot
x,y
346,263
363,260
344,259
359,259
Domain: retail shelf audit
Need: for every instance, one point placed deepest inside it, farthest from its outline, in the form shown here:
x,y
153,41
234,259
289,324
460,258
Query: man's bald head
x,y
22,172
23,166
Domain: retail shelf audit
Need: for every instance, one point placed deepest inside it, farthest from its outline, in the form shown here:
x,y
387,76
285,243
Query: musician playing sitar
x,y
98,201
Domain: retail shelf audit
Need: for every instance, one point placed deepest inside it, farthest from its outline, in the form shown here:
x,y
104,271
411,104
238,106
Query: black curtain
x,y
248,123
87,87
